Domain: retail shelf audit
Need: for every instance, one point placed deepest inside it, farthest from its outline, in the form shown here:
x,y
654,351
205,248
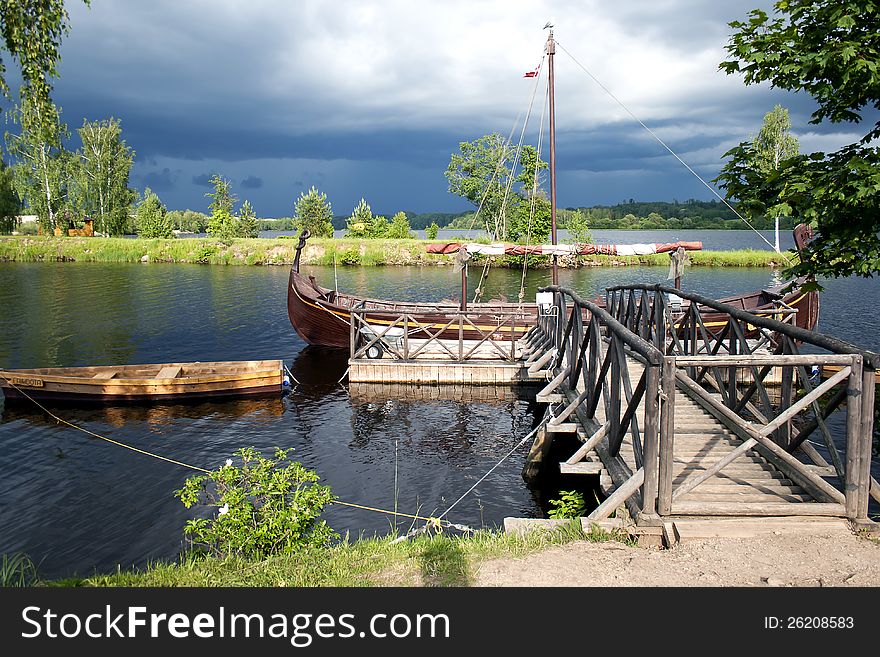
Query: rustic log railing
x,y
759,376
455,335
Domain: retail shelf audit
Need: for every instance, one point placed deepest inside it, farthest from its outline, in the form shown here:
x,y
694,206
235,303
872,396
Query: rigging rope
x,y
479,290
664,145
522,283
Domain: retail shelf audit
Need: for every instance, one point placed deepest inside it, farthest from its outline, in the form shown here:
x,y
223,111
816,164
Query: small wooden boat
x,y
157,382
830,370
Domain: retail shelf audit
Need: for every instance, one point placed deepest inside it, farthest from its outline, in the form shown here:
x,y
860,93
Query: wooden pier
x,y
679,421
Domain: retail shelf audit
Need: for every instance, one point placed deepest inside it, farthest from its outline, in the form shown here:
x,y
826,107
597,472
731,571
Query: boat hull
x,y
140,383
321,317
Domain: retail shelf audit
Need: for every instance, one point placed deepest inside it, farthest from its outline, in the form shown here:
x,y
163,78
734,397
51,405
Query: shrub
x,y
151,218
350,257
570,504
432,230
399,227
266,507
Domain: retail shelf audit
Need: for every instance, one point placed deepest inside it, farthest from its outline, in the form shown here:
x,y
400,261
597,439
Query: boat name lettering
x,y
31,383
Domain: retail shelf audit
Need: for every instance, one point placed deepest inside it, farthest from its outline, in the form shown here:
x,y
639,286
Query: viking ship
x,y
322,316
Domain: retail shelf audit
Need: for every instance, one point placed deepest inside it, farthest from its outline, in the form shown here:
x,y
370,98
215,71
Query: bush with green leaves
x,y
266,506
569,504
578,227
151,218
432,230
399,228
314,213
247,221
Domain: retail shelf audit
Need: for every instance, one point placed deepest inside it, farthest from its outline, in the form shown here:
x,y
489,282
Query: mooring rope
x,y
60,420
494,467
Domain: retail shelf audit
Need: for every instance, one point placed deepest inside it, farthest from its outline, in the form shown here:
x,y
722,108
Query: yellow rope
x,y
96,435
397,513
433,521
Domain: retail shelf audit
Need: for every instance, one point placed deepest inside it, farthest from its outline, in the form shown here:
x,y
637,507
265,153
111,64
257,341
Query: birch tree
x,y
41,174
773,145
104,167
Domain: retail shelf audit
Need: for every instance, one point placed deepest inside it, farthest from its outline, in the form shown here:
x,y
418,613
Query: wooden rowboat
x,y
155,382
830,370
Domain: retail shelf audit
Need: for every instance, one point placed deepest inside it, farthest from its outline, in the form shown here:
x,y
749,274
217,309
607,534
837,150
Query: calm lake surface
x,y
76,504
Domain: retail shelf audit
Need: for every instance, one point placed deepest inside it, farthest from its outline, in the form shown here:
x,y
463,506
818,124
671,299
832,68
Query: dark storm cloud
x,y
160,181
203,180
227,85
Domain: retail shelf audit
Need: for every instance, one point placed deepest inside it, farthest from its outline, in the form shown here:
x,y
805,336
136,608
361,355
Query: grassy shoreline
x,y
345,252
442,560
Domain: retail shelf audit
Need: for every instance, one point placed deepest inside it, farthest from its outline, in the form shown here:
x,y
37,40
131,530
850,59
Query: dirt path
x,y
774,560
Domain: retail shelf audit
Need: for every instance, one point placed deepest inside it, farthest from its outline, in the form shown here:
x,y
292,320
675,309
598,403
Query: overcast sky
x,y
368,98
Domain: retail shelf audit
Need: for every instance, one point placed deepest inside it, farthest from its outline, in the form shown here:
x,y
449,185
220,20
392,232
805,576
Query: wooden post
x,y
464,285
352,333
406,337
667,437
869,386
651,448
853,439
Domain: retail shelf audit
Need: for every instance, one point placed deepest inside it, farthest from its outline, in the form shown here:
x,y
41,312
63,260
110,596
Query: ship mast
x,y
551,50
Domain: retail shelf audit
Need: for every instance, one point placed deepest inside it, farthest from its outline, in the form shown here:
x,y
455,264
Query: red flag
x,y
532,74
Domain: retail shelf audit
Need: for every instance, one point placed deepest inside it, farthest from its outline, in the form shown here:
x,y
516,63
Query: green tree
x,y
104,166
32,31
578,226
773,145
264,507
512,206
247,221
432,230
313,213
363,224
222,224
399,228
10,204
41,173
480,173
830,50
151,218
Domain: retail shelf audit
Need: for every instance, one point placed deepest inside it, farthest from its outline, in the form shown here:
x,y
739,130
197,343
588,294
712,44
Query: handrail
x,y
447,330
828,342
641,346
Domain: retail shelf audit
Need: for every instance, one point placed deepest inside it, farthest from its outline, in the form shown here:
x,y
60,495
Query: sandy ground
x,y
838,559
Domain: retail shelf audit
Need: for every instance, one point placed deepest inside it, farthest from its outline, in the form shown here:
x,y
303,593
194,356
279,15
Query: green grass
x,y
17,570
442,560
318,251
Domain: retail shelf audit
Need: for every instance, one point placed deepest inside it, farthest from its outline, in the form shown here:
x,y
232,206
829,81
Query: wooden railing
x,y
759,377
454,335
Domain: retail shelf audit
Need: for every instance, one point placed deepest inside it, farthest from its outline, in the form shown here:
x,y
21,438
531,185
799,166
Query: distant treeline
x,y
646,215
630,215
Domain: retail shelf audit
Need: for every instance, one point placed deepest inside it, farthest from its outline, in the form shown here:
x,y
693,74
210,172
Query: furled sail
x,y
499,248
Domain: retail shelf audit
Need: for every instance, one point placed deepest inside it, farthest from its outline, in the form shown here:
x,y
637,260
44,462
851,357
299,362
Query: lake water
x,y
76,504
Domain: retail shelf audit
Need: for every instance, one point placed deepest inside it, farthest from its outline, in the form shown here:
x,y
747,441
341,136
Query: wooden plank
x,y
619,496
107,374
695,528
589,445
689,508
581,467
792,467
